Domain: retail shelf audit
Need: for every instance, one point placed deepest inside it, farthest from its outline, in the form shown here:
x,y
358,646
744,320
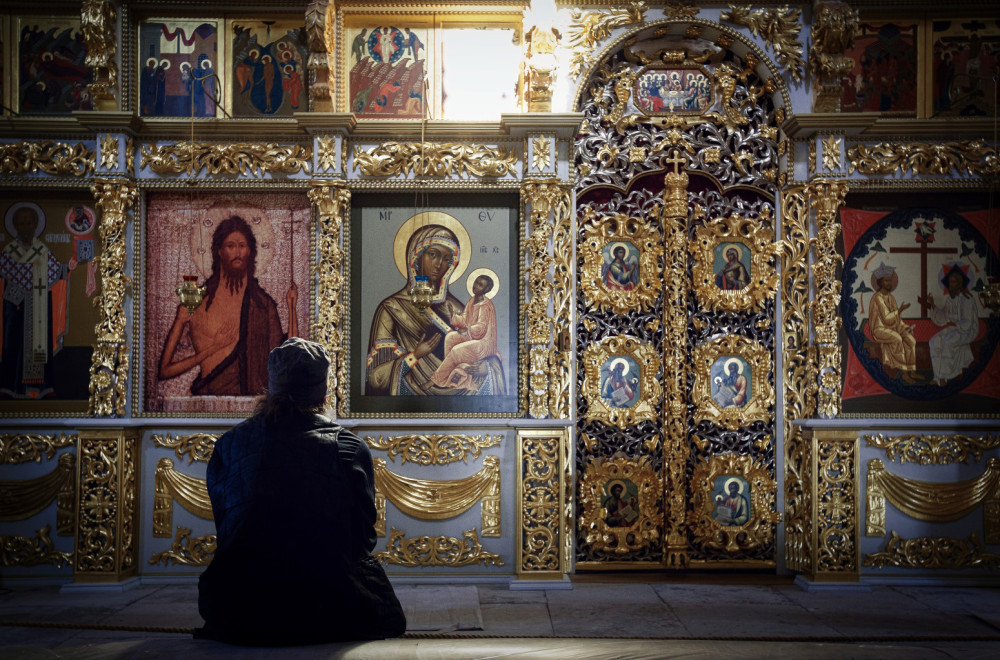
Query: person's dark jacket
x,y
294,507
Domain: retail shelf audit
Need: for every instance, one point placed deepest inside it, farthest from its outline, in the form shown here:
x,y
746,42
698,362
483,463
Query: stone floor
x,y
605,616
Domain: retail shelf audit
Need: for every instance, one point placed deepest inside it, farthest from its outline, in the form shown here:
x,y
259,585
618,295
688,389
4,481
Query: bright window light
x,y
480,68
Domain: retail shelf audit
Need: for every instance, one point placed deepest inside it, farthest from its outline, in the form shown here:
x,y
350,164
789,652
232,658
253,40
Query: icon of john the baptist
x,y
406,345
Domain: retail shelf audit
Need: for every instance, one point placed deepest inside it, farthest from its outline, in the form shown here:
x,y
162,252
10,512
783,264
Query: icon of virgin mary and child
x,y
448,348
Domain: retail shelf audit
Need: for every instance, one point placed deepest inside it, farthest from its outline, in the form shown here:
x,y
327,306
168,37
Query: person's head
x,y
234,249
297,373
731,254
733,488
25,223
955,281
482,285
884,276
733,368
616,490
432,250
619,252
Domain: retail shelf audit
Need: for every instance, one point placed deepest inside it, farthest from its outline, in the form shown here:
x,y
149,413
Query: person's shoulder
x,y
259,295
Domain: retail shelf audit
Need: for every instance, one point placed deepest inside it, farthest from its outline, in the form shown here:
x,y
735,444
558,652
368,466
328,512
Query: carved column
x,y
330,200
836,506
541,525
826,197
835,25
540,67
109,364
107,548
99,22
320,24
675,319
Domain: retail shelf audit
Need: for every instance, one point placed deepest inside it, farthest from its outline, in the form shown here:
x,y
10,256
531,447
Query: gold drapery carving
x,y
436,550
427,499
188,551
966,157
109,364
933,449
431,159
540,528
169,485
934,553
24,551
98,24
330,199
250,159
22,499
50,157
588,28
197,446
779,27
937,501
18,448
433,449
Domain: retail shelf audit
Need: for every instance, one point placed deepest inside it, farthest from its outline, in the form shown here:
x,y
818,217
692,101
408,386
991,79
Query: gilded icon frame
x,y
759,393
595,489
725,235
602,234
633,352
758,530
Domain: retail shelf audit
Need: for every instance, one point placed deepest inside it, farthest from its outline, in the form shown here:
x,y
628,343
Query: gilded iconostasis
x,y
662,286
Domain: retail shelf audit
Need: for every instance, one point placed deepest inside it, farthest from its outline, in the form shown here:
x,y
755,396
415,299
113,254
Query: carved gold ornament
x,y
676,10
836,506
719,526
330,201
436,550
834,27
933,449
197,446
588,28
321,20
542,457
436,500
751,242
46,156
935,501
779,27
98,24
433,449
540,153
234,158
24,551
635,283
26,498
187,551
430,159
326,153
169,485
967,157
109,362
831,153
620,383
620,502
109,152
16,448
934,553
724,393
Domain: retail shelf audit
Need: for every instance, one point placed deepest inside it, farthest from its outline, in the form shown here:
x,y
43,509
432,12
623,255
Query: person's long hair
x,y
225,228
281,408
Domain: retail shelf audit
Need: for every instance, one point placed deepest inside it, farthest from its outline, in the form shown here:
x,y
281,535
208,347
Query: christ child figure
x,y
474,338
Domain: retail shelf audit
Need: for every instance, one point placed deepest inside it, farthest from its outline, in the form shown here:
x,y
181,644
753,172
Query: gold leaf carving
x,y
598,234
326,153
711,400
18,448
330,202
540,153
831,153
541,529
641,525
105,542
235,158
933,449
758,530
198,446
836,506
187,551
433,449
24,551
588,28
779,27
429,159
972,157
645,386
933,553
436,550
99,27
109,152
46,156
676,10
762,278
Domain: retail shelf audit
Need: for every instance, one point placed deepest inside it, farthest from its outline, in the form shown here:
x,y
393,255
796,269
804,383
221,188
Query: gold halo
x,y
432,218
14,208
206,218
183,64
611,248
734,246
611,367
608,486
166,64
739,366
153,60
474,275
739,482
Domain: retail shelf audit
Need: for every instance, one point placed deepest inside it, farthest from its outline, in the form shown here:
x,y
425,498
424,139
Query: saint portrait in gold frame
x,y
731,386
620,502
734,264
620,255
733,504
619,381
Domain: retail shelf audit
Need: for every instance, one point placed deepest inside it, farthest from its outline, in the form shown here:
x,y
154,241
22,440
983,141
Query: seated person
x,y
293,497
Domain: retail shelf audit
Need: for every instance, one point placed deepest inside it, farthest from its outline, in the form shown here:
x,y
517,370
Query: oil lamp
x,y
190,293
421,293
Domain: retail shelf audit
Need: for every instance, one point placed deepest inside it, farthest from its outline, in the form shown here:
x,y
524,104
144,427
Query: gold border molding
x,y
246,158
47,156
759,530
779,27
933,553
98,23
431,159
597,233
109,364
18,448
197,551
646,528
436,550
435,449
540,525
966,157
756,407
24,551
933,449
756,237
331,199
588,28
197,446
645,357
